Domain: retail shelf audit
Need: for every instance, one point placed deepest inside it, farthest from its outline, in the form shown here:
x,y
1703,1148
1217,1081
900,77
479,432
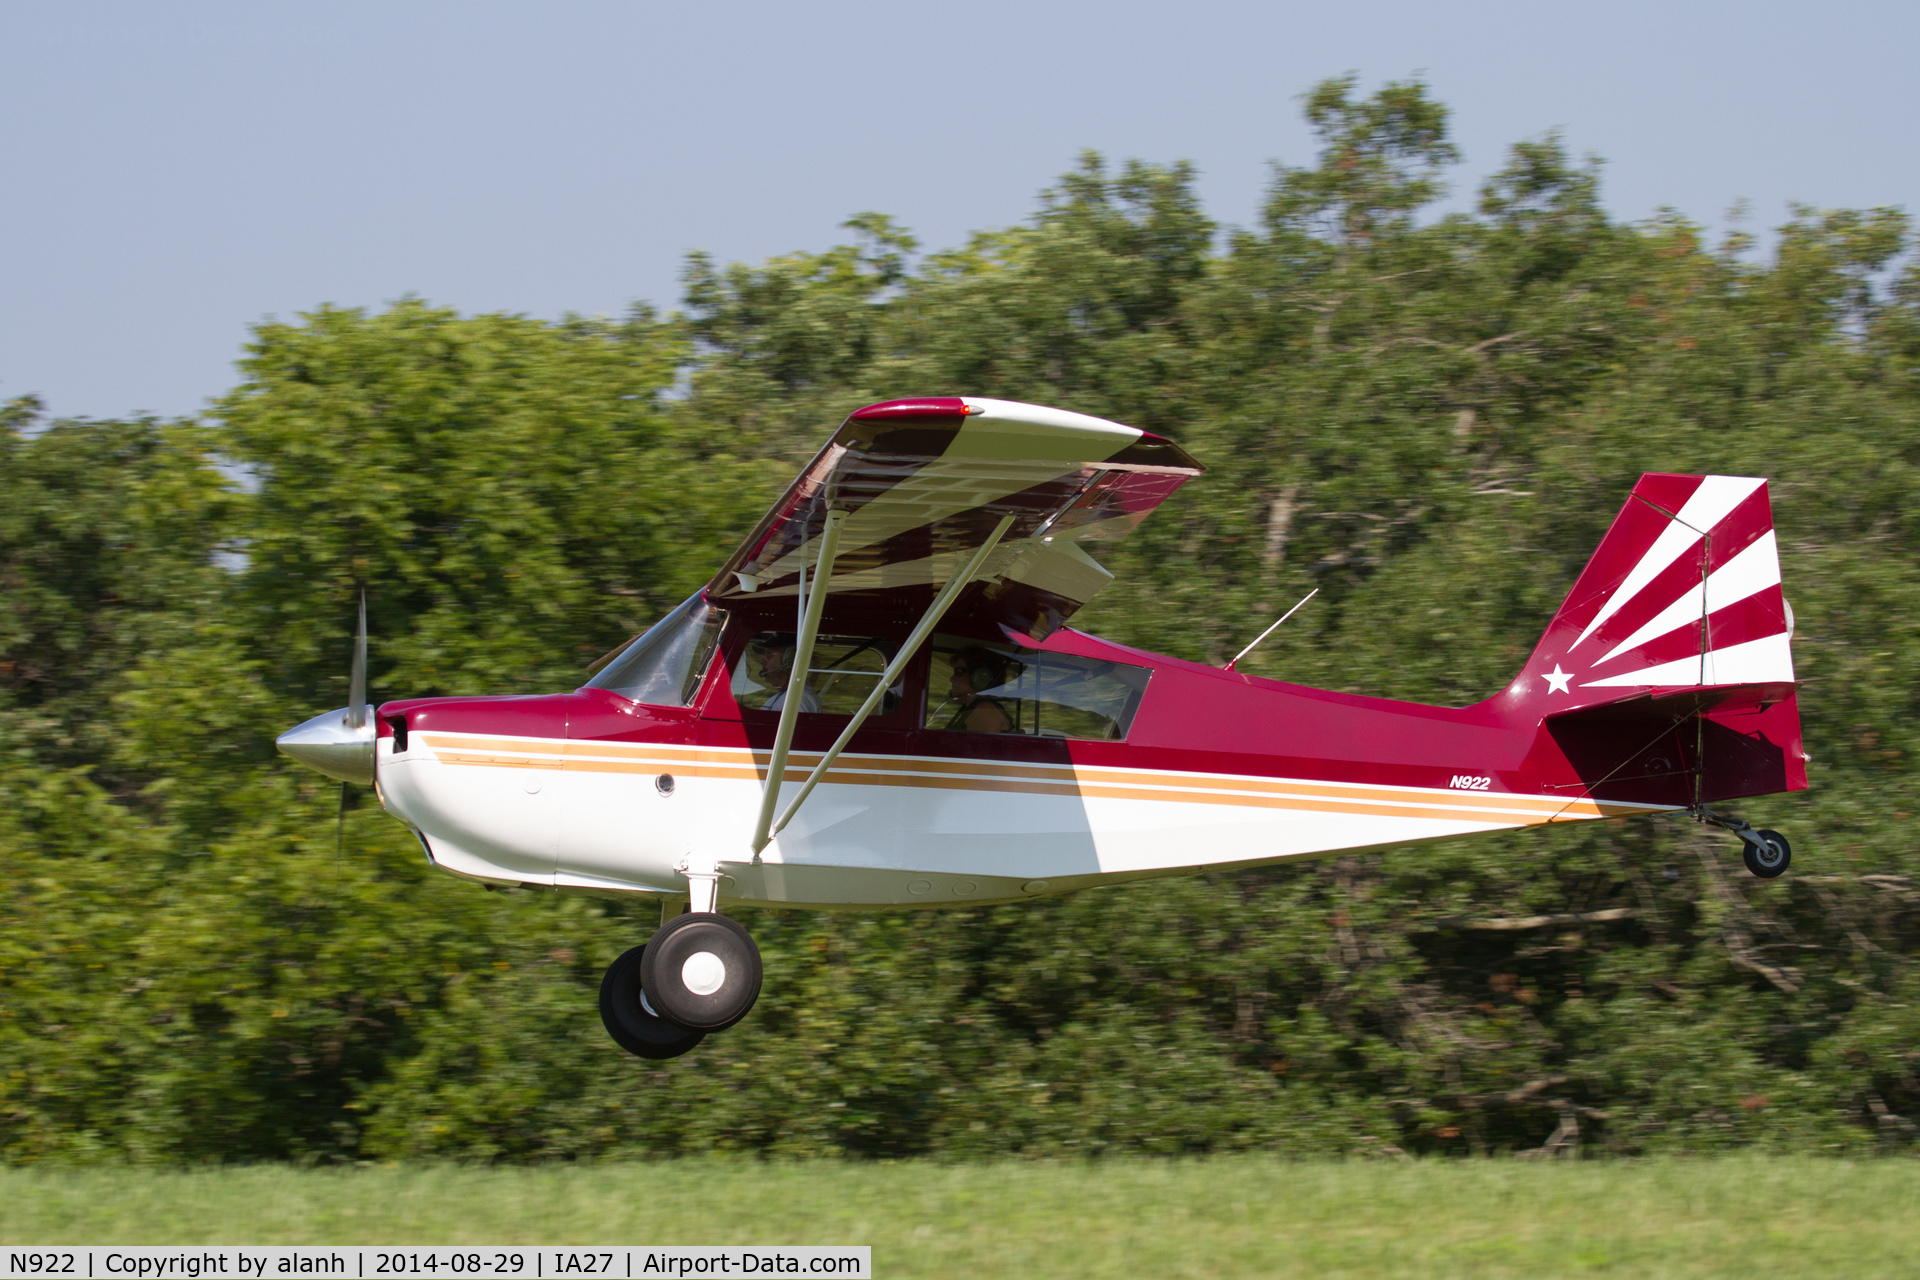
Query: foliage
x,y
1432,421
105,534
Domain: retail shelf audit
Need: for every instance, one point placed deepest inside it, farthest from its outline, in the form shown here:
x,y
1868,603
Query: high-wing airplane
x,y
876,703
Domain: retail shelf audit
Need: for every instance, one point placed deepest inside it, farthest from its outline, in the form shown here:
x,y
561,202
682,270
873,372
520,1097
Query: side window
x,y
975,687
842,673
663,667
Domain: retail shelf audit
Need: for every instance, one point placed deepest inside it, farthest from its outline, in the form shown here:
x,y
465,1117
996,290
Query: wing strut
x,y
797,680
928,620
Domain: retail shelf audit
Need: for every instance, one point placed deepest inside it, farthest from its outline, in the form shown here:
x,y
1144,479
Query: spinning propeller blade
x,y
357,682
356,718
340,743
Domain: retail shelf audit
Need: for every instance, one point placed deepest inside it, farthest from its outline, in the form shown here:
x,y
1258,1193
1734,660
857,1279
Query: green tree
x,y
108,538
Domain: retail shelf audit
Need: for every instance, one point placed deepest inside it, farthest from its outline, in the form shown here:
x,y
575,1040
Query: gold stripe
x,y
1085,790
1500,800
1100,781
1076,790
1165,788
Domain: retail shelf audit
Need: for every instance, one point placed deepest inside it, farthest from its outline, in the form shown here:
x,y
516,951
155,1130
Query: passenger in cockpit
x,y
974,671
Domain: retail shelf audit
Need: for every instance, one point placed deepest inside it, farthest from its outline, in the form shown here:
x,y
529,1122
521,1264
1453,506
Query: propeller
x,y
357,718
340,743
357,682
340,823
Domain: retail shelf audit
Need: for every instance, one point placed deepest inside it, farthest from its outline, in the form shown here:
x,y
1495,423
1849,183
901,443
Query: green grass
x,y
1240,1216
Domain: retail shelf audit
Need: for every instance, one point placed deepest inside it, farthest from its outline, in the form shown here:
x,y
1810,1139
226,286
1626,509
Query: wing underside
x,y
925,483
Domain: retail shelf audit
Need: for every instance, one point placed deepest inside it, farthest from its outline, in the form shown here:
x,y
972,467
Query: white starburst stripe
x,y
1761,661
1747,574
1711,503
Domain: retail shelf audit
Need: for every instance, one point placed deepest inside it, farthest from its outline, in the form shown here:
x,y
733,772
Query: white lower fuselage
x,y
888,830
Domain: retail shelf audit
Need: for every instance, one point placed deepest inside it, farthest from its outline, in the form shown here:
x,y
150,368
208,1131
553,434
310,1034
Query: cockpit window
x,y
663,667
975,687
840,675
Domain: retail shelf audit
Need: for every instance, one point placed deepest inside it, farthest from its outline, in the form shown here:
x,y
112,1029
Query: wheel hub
x,y
704,973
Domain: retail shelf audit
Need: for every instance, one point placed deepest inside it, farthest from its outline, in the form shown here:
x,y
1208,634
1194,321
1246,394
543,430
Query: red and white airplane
x,y
889,644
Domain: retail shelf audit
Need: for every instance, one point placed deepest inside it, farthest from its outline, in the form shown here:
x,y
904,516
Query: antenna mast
x,y
1275,627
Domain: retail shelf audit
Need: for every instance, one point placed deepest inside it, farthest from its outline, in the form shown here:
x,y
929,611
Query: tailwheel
x,y
702,970
1769,855
632,1020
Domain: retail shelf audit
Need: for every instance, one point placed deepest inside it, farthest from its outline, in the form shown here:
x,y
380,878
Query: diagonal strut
x,y
797,679
915,639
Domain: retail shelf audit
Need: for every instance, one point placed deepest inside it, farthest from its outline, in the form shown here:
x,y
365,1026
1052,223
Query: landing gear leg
x,y
1766,853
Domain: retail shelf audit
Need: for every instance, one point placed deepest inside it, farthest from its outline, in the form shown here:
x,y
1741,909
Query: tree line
x,y
1430,418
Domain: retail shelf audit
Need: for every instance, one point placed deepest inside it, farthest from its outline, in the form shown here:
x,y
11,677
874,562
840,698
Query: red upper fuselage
x,y
1197,718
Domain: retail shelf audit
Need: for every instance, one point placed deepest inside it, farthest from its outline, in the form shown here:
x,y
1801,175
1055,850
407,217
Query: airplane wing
x,y
925,483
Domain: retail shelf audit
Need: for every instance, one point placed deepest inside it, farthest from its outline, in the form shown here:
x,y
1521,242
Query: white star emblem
x,y
1557,681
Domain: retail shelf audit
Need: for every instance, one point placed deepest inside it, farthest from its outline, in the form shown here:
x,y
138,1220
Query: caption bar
x,y
435,1262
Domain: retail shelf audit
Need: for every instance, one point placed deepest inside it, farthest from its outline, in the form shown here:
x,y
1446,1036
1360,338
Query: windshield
x,y
663,667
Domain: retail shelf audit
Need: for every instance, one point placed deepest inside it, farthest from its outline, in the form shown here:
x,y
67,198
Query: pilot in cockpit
x,y
770,660
976,670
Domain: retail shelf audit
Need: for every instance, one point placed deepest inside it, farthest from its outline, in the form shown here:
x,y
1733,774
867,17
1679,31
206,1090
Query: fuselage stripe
x,y
1093,782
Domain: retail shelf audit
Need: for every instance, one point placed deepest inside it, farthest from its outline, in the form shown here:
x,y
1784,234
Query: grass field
x,y
1241,1216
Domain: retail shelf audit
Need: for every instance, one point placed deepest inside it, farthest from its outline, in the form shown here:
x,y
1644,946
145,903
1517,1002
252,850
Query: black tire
x,y
702,971
1774,861
633,1026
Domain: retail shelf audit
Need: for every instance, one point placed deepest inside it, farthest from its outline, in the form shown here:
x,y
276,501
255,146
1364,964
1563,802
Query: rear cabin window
x,y
975,687
840,675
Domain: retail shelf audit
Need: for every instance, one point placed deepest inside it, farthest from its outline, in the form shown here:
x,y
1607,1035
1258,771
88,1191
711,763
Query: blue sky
x,y
177,172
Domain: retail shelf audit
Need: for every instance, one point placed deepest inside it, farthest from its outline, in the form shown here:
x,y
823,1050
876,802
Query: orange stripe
x,y
1082,780
504,762
1227,782
1174,797
1076,790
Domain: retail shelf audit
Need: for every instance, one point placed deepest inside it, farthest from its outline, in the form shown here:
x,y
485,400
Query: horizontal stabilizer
x,y
1686,746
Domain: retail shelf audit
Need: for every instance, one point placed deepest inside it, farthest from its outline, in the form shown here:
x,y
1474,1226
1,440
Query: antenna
x,y
1275,627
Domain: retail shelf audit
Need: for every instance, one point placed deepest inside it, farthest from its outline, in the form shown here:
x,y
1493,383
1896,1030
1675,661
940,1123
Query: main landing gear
x,y
698,974
1766,853
631,1018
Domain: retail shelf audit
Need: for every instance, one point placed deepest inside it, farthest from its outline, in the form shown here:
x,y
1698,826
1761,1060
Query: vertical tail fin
x,y
1682,593
1677,618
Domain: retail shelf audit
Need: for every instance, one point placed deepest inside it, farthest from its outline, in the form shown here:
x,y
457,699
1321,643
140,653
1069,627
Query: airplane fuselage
x,y
591,791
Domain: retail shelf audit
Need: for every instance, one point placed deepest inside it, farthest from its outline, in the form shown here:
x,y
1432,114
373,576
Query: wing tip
x,y
914,407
